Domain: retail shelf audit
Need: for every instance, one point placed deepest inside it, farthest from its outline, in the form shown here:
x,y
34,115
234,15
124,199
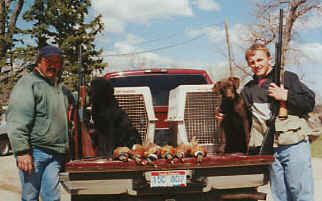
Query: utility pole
x,y
229,51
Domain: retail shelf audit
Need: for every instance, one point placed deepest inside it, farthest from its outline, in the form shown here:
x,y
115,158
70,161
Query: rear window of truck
x,y
160,85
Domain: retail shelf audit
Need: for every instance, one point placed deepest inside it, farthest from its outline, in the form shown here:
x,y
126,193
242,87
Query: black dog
x,y
111,122
235,126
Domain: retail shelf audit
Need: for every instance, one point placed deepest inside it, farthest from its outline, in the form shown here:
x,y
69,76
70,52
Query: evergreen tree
x,y
65,23
10,11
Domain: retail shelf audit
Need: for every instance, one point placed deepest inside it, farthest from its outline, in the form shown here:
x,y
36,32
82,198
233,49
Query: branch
x,y
307,9
2,18
242,68
8,4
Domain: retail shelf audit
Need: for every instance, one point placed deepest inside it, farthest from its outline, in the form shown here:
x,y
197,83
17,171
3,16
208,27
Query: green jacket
x,y
37,115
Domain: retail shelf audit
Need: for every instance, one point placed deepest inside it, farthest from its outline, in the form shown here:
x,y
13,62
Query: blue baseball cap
x,y
50,50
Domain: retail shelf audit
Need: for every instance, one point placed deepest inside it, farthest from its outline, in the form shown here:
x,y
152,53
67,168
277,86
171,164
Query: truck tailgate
x,y
105,177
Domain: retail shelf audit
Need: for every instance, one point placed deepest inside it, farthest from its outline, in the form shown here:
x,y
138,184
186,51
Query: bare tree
x,y
9,13
267,28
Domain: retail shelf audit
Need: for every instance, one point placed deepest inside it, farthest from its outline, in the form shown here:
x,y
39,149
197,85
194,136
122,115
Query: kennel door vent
x,y
192,114
137,103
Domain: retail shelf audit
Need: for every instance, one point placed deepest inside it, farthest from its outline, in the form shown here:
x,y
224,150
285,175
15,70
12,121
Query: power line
x,y
151,40
158,39
163,38
156,49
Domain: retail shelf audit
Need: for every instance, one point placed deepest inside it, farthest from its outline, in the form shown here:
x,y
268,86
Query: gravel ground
x,y
10,186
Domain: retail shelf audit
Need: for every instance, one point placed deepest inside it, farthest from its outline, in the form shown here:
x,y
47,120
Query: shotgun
x,y
278,109
87,144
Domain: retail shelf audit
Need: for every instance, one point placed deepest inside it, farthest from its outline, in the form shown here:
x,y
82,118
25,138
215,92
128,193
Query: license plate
x,y
168,178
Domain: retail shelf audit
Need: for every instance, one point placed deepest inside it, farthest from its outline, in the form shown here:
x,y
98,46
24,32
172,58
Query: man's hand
x,y
278,93
25,163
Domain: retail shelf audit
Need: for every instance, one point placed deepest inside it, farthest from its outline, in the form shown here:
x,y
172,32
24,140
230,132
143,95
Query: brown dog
x,y
235,126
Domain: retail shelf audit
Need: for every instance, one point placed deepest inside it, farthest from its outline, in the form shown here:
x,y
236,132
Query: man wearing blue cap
x,y
37,120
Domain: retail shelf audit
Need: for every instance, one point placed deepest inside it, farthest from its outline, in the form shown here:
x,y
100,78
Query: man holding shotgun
x,y
291,173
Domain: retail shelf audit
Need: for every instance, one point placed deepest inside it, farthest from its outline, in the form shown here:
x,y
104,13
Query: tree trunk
x,y
7,31
2,27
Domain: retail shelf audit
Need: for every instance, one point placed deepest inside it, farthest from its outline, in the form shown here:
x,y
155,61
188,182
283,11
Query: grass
x,y
317,148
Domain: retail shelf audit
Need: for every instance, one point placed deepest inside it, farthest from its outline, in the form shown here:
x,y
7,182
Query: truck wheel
x,y
4,146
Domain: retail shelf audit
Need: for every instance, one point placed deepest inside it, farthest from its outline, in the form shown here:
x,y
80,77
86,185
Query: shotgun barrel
x,y
88,149
279,67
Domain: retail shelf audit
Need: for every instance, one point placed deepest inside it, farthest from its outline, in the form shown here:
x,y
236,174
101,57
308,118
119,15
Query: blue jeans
x,y
44,179
291,176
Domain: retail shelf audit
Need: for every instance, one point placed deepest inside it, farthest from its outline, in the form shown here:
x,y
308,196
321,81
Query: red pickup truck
x,y
217,177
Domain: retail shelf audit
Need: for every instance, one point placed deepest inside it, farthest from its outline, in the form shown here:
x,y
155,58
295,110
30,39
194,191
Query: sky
x,y
190,34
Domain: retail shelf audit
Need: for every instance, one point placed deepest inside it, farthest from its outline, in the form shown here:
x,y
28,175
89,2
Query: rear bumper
x,y
242,194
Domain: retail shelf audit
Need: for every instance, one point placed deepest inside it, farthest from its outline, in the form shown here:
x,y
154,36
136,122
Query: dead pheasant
x,y
168,152
137,154
197,151
182,151
121,153
152,152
